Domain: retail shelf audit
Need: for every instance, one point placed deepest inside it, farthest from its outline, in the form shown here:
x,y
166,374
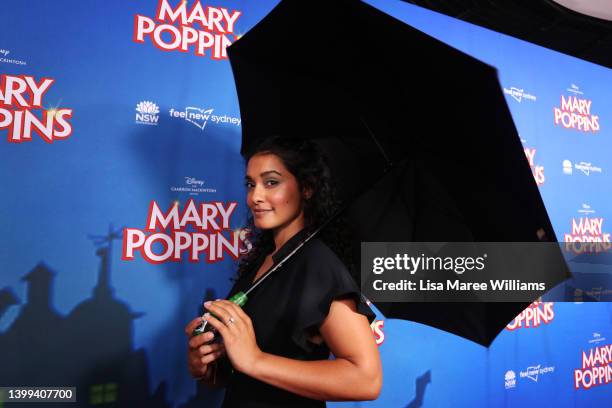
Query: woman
x,y
279,343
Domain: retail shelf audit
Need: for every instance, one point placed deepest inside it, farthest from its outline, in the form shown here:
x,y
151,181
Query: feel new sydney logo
x,y
200,117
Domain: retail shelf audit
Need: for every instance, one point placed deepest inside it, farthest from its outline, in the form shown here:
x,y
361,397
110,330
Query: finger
x,y
234,309
197,369
192,325
222,312
218,310
194,363
200,339
240,317
221,328
209,358
207,349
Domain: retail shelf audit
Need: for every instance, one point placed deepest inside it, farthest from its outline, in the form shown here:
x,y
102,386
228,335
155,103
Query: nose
x,y
256,194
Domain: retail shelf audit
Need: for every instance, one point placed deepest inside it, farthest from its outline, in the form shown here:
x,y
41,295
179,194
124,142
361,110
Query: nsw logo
x,y
510,379
147,113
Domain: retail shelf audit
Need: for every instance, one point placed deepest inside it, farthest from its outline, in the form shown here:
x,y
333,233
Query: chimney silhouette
x,y
39,281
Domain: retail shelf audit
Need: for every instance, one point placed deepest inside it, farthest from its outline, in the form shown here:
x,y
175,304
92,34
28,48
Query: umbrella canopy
x,y
418,135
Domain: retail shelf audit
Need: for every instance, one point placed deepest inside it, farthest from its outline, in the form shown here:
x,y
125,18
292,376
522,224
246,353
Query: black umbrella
x,y
418,134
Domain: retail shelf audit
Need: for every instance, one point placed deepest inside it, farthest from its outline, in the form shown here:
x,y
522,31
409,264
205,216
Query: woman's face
x,y
273,194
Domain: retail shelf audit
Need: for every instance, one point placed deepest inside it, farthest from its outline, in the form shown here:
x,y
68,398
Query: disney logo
x,y
575,89
597,338
193,180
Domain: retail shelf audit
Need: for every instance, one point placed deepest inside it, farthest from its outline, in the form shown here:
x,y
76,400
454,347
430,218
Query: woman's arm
x,y
355,374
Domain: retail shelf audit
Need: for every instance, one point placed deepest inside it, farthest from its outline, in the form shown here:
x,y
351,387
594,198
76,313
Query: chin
x,y
263,225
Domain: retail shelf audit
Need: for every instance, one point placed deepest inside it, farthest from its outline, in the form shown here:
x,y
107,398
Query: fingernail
x,y
206,304
210,335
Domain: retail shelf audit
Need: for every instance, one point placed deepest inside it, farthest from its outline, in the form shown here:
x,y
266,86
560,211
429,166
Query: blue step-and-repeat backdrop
x,y
116,116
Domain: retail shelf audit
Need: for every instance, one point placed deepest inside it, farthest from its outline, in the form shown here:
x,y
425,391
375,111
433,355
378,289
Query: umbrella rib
x,y
380,148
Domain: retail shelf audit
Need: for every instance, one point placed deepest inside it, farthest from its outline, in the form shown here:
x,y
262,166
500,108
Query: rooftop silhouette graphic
x,y
90,348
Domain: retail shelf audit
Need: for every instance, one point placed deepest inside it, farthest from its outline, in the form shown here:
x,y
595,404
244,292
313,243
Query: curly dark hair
x,y
306,162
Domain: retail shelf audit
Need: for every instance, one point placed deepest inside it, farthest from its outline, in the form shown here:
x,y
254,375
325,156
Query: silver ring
x,y
230,321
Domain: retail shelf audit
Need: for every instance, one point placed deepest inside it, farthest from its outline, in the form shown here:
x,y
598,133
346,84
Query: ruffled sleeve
x,y
322,279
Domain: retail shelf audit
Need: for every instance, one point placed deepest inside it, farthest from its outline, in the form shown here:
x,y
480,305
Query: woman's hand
x,y
201,356
238,334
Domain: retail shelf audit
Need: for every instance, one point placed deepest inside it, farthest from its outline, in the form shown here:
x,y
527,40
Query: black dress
x,y
296,297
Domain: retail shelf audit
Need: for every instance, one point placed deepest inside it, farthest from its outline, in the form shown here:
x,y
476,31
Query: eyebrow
x,y
265,173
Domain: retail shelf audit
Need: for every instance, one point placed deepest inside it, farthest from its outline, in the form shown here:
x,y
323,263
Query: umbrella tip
x,y
541,234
